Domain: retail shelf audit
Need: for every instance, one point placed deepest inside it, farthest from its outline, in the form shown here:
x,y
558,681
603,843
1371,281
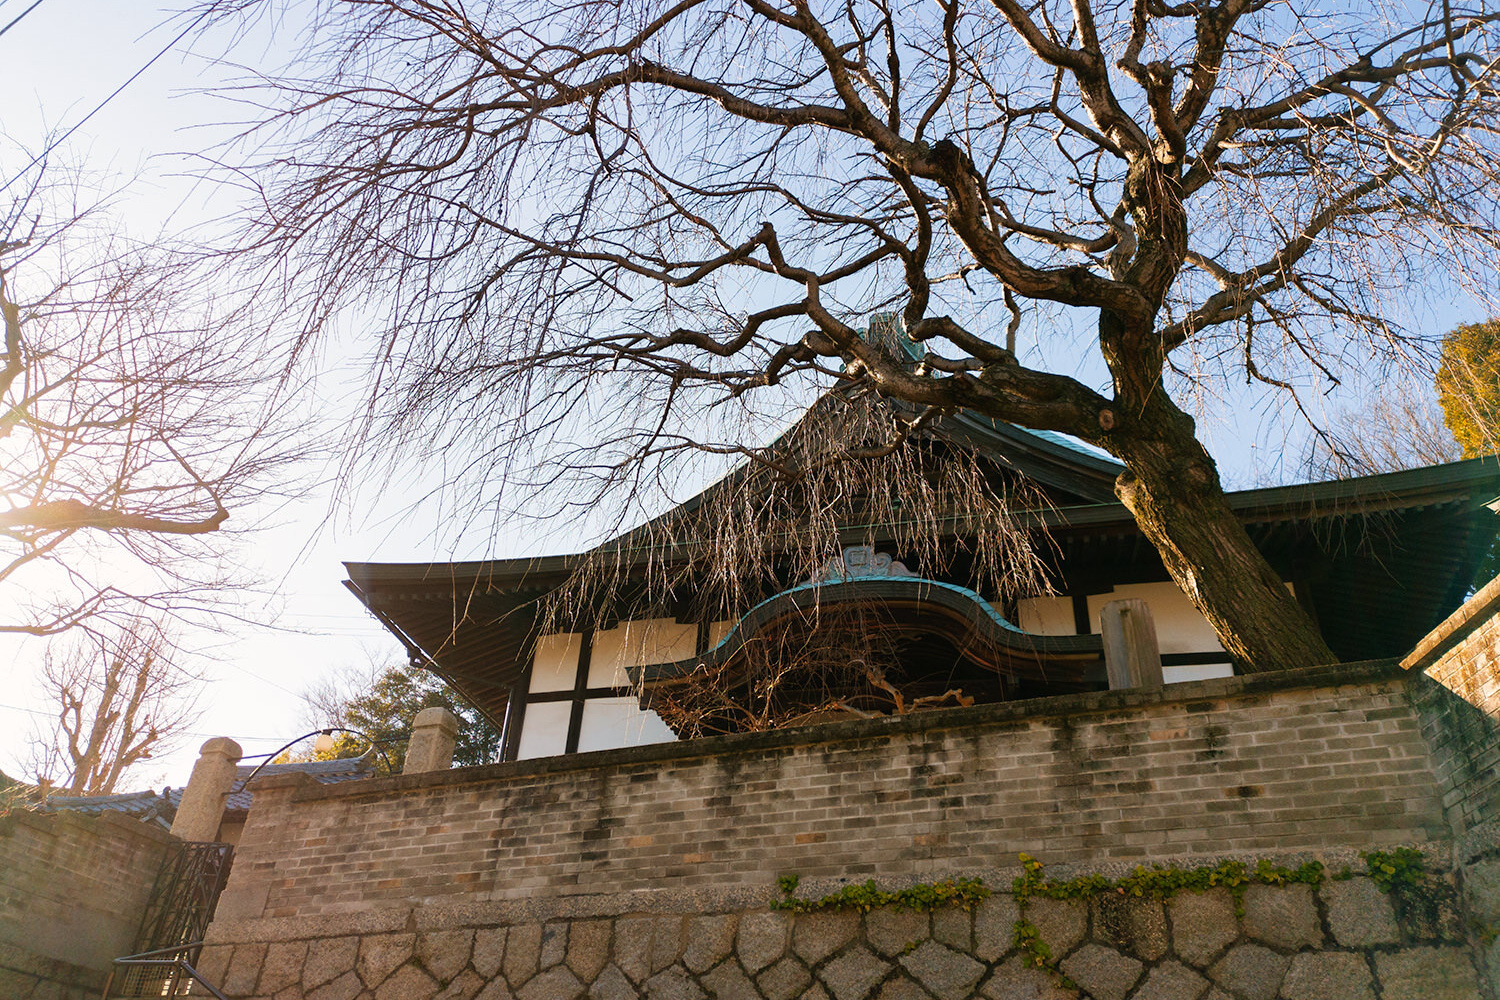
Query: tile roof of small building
x,y
326,771
160,807
148,806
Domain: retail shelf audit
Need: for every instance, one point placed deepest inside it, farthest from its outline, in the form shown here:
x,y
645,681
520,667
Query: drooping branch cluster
x,y
819,666
598,236
130,425
854,470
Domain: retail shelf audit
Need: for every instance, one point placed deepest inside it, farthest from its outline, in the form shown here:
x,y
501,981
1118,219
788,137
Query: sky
x,y
57,63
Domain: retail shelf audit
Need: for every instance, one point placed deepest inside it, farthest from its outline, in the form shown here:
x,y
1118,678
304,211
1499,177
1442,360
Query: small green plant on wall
x,y
960,892
1158,882
1400,872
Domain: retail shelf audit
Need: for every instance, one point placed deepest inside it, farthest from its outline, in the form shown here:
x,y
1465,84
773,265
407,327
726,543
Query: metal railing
x,y
184,895
176,919
171,977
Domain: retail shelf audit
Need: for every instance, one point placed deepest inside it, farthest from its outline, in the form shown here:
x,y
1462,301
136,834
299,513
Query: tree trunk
x,y
1172,487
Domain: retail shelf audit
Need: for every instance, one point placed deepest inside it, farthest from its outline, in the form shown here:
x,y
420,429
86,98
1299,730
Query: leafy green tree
x,y
382,706
1468,386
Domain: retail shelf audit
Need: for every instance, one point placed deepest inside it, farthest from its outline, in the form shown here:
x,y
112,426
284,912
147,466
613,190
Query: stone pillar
x,y
202,806
1132,657
433,734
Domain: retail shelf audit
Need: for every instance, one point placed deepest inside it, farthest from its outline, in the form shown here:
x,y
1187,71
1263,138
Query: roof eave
x,y
1454,481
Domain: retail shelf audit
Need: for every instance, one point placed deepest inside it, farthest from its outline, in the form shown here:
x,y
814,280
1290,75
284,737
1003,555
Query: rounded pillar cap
x,y
437,716
221,746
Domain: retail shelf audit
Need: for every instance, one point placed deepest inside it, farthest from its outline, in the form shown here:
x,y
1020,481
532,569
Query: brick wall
x,y
72,890
1303,760
1457,689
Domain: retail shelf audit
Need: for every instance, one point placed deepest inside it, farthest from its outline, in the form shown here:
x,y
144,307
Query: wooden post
x,y
1132,657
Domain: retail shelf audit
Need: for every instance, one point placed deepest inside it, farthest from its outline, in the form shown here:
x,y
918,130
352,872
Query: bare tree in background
x,y
132,421
590,223
1410,425
1399,428
118,701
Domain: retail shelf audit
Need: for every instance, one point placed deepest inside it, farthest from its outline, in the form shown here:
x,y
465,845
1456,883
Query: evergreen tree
x,y
1468,386
383,710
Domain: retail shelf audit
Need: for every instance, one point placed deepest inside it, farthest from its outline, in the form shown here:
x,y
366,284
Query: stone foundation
x,y
1302,760
649,872
1344,939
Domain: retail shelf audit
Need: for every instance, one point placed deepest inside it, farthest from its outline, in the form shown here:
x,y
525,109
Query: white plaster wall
x,y
717,631
555,664
620,722
608,723
633,643
545,732
1179,626
1046,615
1196,672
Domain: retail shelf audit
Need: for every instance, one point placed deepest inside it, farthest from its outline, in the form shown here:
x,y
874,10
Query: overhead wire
x,y
18,17
100,106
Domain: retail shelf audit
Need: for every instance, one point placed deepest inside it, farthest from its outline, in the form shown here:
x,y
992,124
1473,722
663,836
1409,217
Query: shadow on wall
x,y
1456,688
72,892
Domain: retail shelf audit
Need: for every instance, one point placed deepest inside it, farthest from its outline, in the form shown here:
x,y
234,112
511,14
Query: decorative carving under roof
x,y
861,561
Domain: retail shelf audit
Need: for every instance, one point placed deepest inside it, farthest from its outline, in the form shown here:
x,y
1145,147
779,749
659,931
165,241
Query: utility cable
x,y
100,106
18,17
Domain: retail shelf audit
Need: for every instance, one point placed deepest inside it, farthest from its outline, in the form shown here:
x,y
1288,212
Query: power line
x,y
18,17
100,106
241,739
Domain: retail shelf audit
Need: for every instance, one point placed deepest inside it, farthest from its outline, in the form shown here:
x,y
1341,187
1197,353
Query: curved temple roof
x,y
985,635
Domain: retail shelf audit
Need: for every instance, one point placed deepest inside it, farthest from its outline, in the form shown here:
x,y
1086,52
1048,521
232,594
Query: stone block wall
x,y
1477,856
1457,688
1302,760
1340,940
72,891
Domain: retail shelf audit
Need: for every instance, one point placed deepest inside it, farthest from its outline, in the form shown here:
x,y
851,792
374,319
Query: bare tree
x,y
132,420
1399,428
119,700
613,216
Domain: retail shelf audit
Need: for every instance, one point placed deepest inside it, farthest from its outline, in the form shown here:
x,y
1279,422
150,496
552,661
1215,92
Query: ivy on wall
x,y
1401,872
961,892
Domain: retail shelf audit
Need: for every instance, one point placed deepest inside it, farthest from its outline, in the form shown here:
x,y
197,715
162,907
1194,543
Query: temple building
x,y
1377,561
